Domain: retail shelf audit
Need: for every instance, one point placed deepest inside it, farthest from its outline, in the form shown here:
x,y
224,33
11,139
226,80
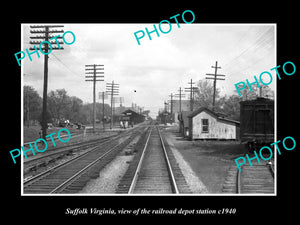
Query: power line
x,y
259,55
65,65
255,44
254,63
254,54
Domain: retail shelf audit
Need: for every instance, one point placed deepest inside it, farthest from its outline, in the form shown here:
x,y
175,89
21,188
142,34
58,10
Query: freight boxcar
x,y
257,123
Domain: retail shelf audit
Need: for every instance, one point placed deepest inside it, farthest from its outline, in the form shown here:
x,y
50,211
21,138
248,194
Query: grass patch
x,y
33,132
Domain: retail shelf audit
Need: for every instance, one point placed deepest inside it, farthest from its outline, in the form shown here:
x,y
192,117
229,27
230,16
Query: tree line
x,y
60,106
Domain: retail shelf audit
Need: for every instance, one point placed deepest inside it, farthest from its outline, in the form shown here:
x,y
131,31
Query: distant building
x,y
120,109
184,123
132,117
185,106
207,124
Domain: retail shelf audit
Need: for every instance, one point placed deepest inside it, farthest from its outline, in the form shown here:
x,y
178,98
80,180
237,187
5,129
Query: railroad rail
x,y
43,161
54,138
53,150
256,179
72,175
151,171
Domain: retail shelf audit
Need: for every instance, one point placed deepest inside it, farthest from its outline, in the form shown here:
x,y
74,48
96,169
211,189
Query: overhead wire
x,y
257,44
259,55
261,47
65,65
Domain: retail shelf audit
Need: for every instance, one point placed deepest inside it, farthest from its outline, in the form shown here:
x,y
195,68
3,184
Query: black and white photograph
x,y
153,114
149,111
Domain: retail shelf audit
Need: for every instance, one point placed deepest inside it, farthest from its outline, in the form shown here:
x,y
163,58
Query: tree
x,y
99,113
74,109
59,104
246,94
267,92
86,113
32,104
204,96
232,107
48,118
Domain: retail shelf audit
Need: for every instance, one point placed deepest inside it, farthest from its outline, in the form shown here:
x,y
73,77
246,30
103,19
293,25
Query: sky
x,y
148,73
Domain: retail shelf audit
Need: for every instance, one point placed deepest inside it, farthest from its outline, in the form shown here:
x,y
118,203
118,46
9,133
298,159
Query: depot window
x,y
204,125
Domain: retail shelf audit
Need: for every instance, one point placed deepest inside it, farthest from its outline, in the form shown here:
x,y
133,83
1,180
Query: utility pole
x,y
112,89
180,95
94,78
192,90
103,96
165,112
215,80
121,101
172,117
45,30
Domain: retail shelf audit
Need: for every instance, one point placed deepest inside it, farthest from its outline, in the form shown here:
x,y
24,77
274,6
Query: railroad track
x,y
153,168
258,179
41,161
63,150
56,150
72,175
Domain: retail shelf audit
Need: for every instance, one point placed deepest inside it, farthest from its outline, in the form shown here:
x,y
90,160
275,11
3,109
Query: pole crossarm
x,y
94,73
43,26
94,69
214,74
43,31
93,76
210,78
94,65
46,49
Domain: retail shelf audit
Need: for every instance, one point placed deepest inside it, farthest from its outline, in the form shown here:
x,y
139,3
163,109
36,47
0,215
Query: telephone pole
x,y
103,96
165,113
192,91
45,31
112,89
180,95
94,78
215,80
172,117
